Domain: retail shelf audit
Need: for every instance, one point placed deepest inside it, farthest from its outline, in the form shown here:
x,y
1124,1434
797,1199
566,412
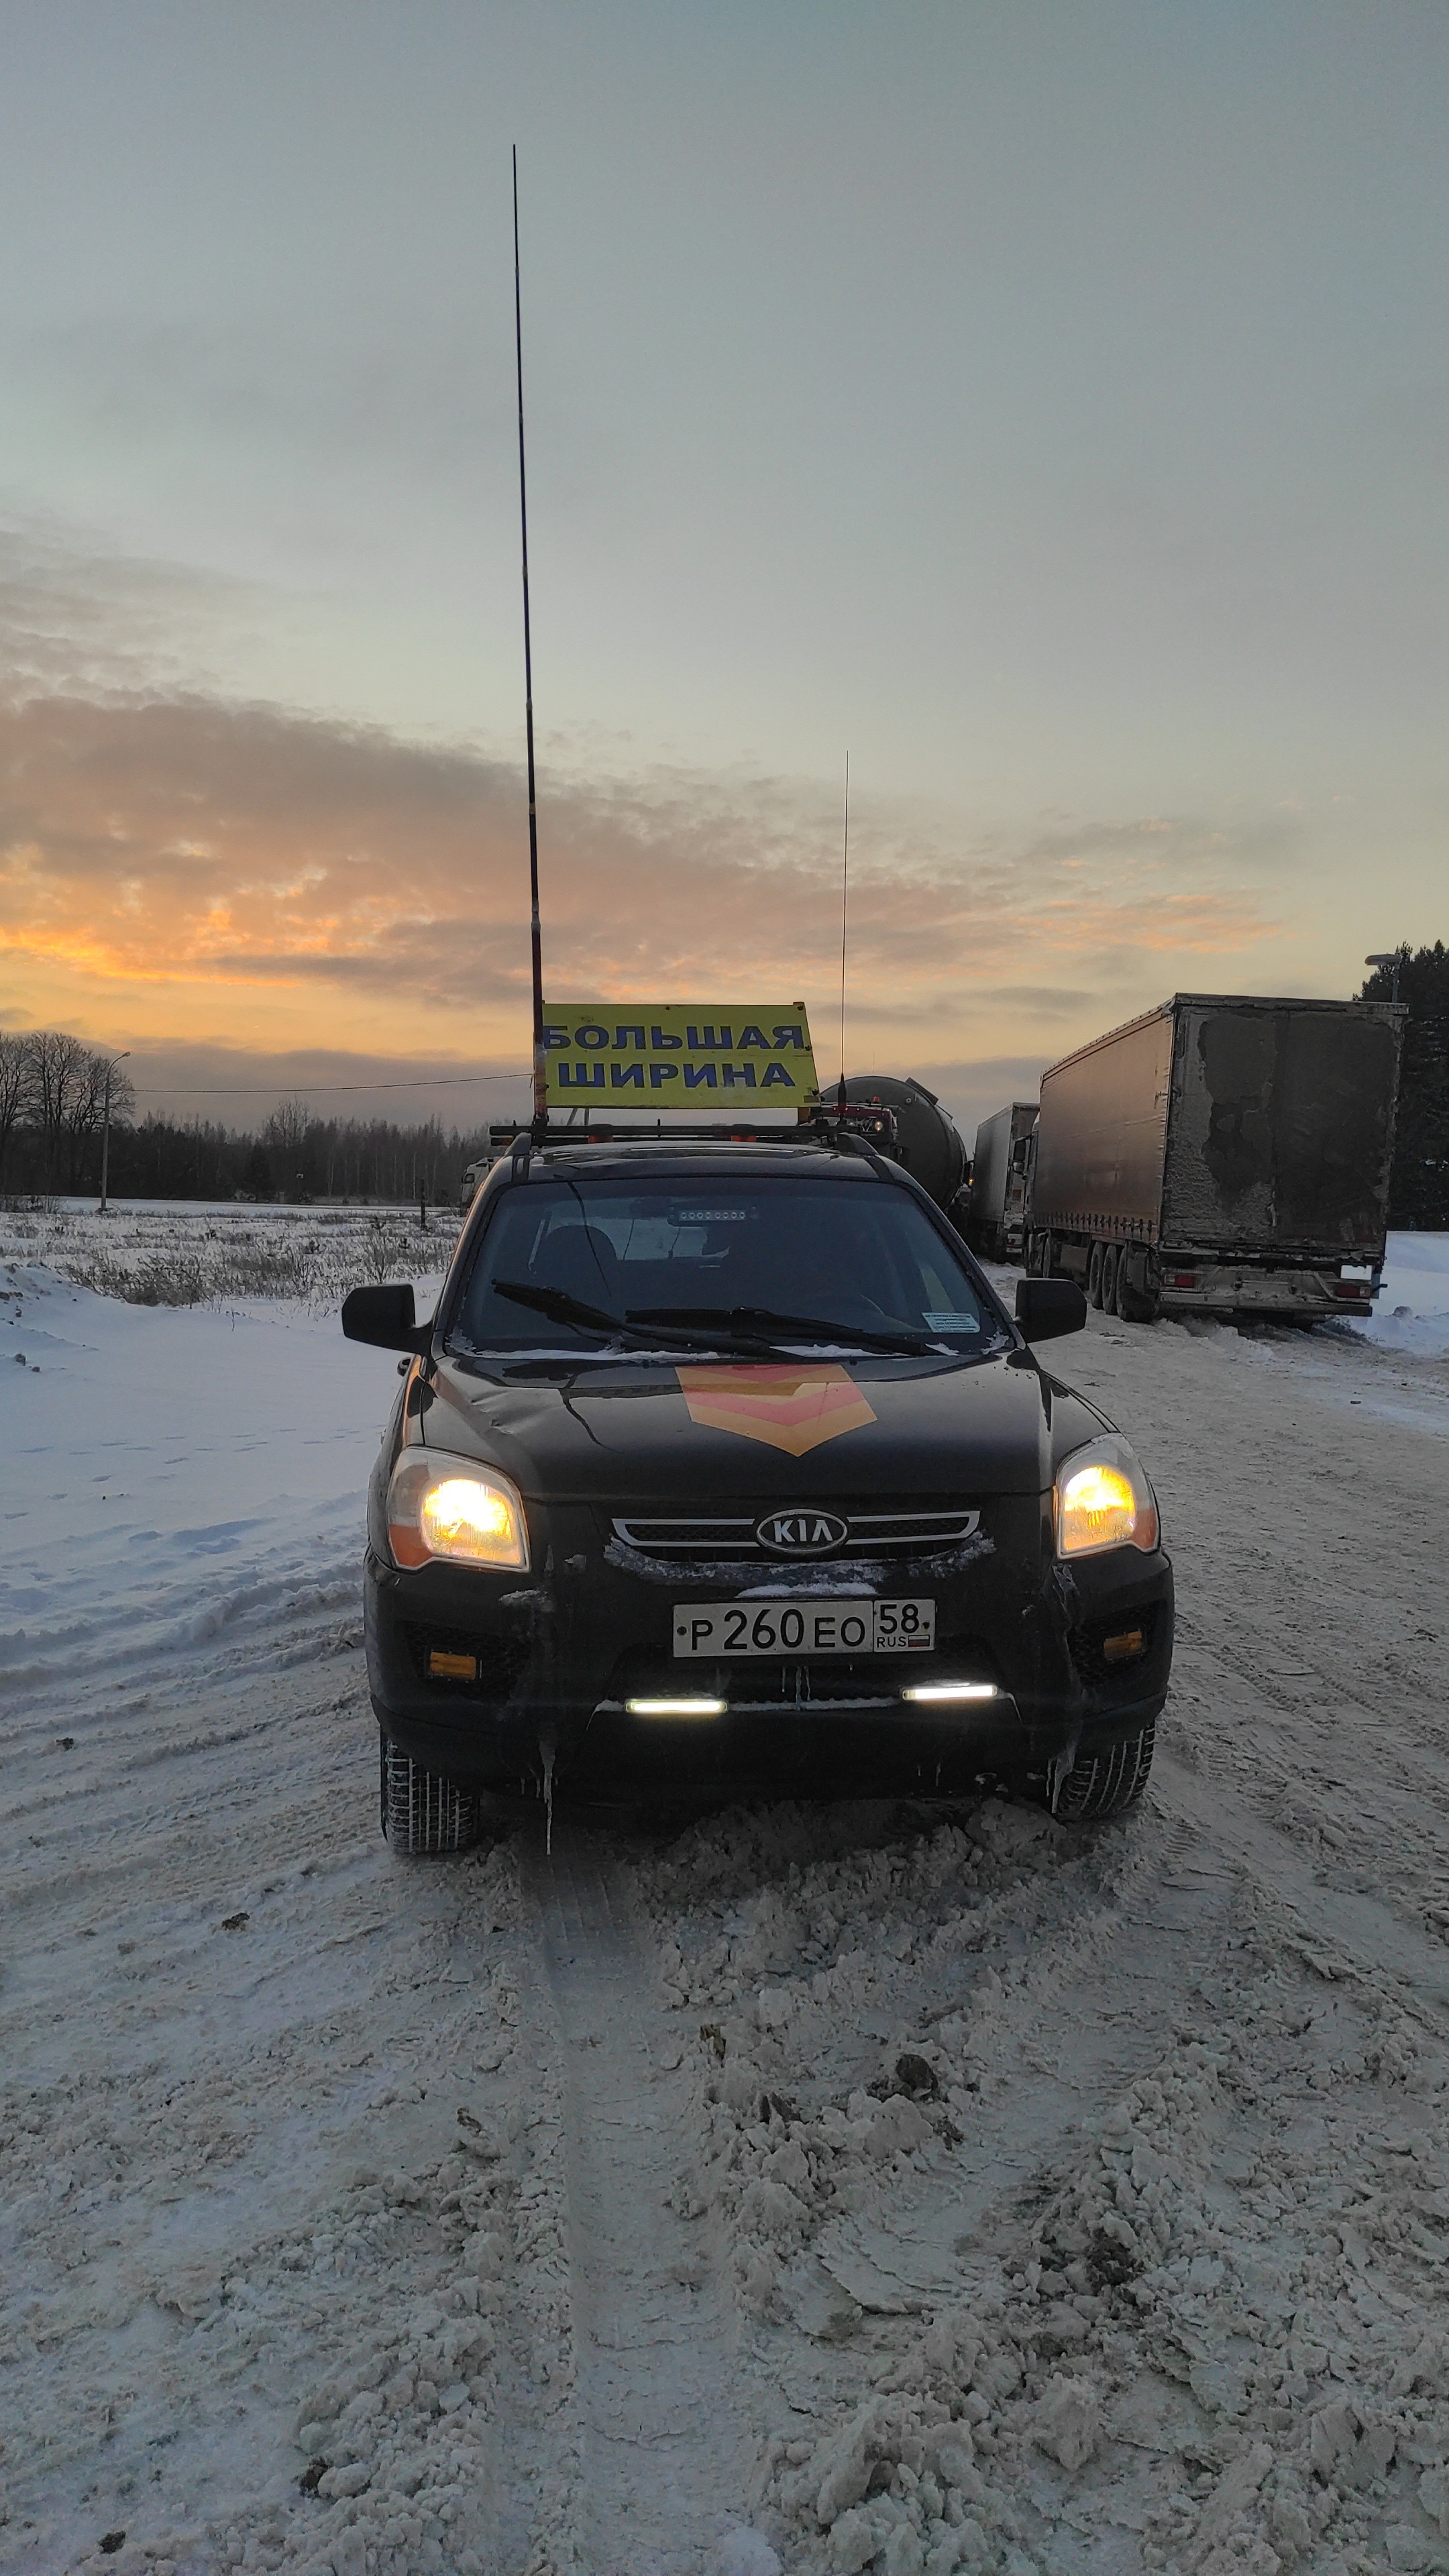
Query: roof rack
x,y
861,1126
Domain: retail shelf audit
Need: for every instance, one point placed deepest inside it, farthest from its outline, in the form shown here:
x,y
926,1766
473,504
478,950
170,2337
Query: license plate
x,y
727,1629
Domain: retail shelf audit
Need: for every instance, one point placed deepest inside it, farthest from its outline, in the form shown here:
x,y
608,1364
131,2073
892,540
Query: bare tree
x,y
99,1074
290,1133
62,1092
12,1093
55,1073
286,1129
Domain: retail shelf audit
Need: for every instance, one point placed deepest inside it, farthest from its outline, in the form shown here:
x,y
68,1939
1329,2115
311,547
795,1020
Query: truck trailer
x,y
1221,1155
997,1221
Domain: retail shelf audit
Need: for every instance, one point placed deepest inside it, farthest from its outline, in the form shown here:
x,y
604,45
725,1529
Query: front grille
x,y
681,1537
1089,1645
497,1661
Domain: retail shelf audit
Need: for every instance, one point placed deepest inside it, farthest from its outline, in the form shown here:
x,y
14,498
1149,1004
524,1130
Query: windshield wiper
x,y
561,1308
761,1322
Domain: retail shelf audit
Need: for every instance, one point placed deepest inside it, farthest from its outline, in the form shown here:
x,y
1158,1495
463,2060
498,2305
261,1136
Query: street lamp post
x,y
1387,958
106,1127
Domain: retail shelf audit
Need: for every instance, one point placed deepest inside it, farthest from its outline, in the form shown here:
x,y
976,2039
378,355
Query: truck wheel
x,y
422,1813
1111,1264
1137,1293
1094,1274
1107,1783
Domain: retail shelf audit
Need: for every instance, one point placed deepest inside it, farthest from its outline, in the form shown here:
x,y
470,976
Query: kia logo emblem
x,y
802,1533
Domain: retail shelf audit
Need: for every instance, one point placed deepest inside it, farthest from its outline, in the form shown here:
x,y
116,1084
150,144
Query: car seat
x,y
582,1261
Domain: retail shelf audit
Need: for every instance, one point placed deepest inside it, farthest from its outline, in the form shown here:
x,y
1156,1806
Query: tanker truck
x,y
927,1140
1221,1155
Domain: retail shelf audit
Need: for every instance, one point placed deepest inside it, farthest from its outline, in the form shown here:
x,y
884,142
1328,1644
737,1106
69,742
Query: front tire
x,y
1106,1783
423,1814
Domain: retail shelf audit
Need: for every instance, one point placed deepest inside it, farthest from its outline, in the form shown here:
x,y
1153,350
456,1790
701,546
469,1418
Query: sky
x,y
1043,406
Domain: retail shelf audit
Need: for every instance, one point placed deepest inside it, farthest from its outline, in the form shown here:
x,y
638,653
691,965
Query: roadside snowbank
x,y
172,1474
1412,1311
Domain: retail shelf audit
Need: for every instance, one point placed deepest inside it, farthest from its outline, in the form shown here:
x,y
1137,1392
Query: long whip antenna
x,y
844,917
540,1067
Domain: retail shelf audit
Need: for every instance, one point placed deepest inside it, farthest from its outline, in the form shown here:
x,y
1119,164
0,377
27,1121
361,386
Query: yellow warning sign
x,y
709,1057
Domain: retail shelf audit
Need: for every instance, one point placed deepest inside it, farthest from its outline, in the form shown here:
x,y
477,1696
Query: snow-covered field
x,y
818,2190
155,1252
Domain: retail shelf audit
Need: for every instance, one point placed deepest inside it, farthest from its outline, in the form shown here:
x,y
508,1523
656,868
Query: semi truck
x,y
1221,1155
996,1224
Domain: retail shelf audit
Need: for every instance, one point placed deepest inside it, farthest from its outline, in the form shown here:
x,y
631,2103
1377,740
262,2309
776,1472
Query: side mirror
x,y
385,1316
1047,1307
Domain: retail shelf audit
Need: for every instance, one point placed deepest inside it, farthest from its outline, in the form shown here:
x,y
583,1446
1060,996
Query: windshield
x,y
715,1262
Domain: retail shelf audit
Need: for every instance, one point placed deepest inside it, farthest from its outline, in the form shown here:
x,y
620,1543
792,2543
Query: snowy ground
x,y
819,2190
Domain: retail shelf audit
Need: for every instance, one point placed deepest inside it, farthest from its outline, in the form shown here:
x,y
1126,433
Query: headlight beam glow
x,y
455,1511
1102,1499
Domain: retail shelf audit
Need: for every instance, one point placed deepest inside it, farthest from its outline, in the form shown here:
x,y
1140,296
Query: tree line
x,y
53,1102
52,1114
1419,1189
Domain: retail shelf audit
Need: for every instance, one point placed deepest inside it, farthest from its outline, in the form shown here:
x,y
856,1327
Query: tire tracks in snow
x,y
663,2459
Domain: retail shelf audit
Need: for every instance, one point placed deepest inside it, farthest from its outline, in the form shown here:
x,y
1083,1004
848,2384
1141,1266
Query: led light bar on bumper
x,y
940,1694
685,1707
453,1509
1102,1499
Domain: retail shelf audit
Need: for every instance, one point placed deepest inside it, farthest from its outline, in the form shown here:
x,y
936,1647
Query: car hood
x,y
702,1432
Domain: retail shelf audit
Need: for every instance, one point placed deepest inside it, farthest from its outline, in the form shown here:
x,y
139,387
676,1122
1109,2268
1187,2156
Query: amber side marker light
x,y
1124,1648
451,1668
950,1690
675,1707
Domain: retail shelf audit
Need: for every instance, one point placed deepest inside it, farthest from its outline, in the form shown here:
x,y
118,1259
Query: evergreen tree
x,y
1419,1189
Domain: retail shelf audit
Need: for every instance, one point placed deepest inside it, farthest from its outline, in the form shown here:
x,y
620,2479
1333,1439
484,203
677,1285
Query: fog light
x,y
950,1690
675,1707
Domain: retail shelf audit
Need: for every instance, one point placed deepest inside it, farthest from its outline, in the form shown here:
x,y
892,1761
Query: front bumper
x,y
486,1678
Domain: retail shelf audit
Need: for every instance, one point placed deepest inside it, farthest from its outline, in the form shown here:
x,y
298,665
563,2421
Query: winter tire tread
x,y
1106,1783
423,1814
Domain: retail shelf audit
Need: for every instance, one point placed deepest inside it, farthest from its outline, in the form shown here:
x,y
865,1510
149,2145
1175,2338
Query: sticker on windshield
x,y
944,1321
791,1408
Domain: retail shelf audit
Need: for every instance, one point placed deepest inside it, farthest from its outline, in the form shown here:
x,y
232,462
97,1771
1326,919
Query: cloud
x,y
76,616
165,846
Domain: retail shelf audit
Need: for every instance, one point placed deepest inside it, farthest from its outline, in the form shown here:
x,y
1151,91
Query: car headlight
x,y
1101,1498
454,1509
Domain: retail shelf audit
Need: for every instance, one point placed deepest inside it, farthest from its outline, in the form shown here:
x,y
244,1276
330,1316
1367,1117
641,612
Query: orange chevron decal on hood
x,y
793,1408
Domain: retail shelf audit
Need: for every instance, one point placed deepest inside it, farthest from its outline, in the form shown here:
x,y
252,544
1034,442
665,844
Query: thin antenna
x,y
844,916
540,1067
